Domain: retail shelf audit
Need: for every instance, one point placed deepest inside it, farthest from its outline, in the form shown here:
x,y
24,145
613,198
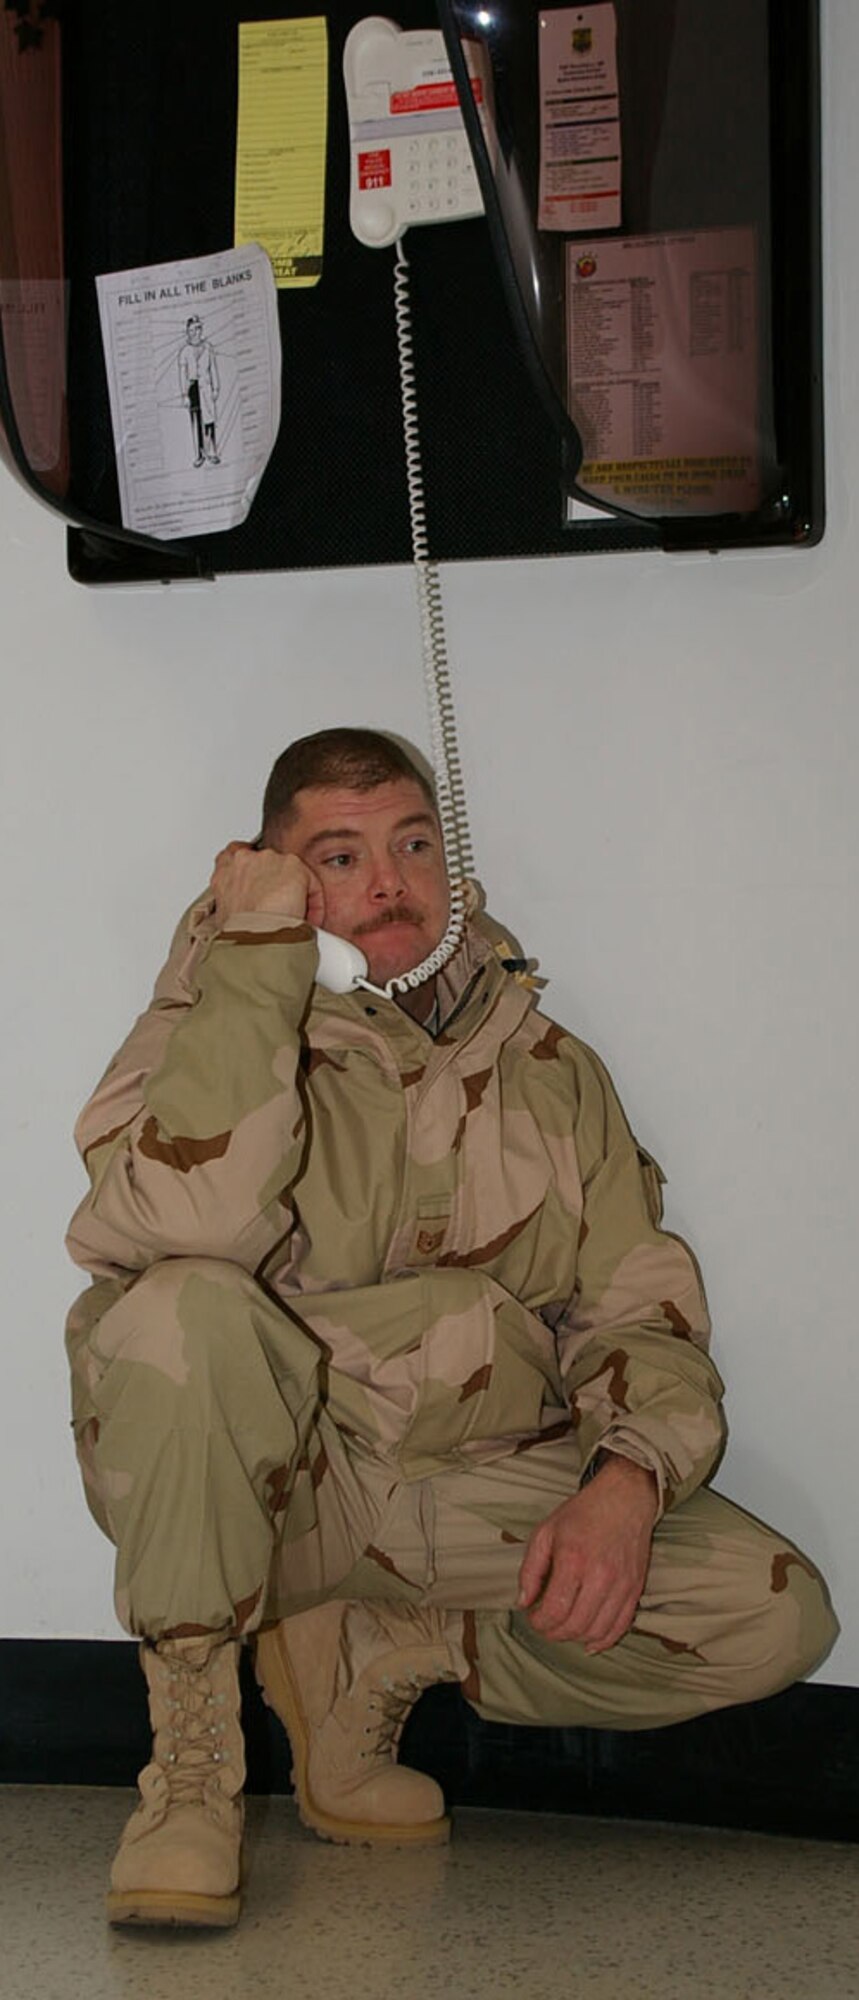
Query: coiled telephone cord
x,y
447,766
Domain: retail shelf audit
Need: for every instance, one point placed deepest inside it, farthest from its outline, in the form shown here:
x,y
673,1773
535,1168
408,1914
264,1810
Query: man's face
x,y
379,861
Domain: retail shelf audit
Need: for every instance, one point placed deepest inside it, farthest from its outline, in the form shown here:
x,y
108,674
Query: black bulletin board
x,y
148,102
334,492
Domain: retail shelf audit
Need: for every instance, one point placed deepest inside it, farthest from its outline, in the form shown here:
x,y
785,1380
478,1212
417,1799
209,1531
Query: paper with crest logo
x,y
580,139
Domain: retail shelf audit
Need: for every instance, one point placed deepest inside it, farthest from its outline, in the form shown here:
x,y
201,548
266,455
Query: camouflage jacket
x,y
465,1223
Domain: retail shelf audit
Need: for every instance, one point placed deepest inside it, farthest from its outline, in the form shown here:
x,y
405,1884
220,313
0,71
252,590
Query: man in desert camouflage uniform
x,y
386,1360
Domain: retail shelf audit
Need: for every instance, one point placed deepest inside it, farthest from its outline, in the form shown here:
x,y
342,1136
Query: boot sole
x,y
159,1906
281,1692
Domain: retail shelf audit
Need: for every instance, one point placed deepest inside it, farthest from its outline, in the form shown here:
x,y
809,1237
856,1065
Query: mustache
x,y
403,914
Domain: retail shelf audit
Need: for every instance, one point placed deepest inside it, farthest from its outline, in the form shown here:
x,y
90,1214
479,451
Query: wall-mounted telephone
x,y
410,156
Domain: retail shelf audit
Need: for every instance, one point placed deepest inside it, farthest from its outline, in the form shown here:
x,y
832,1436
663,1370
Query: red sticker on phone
x,y
432,97
374,169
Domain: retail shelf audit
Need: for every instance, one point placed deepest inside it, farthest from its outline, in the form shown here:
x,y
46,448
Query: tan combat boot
x,y
342,1678
178,1859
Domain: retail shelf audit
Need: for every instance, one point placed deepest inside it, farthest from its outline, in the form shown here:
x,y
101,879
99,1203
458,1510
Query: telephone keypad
x,y
440,181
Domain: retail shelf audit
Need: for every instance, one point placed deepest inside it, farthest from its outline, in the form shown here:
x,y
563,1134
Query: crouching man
x,y
386,1365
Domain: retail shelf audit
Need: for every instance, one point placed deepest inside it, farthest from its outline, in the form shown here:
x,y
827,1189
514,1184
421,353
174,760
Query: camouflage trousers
x,y
210,1460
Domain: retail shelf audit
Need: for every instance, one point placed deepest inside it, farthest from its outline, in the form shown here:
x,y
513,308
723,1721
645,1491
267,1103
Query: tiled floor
x,y
520,1903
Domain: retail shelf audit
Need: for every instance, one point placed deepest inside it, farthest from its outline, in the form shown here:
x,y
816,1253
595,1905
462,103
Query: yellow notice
x,y
280,150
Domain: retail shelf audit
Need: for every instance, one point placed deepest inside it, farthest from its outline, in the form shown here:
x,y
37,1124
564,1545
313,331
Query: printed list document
x,y
663,345
280,146
193,369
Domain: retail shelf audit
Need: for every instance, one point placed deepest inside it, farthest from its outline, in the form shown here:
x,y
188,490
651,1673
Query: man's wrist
x,y
612,1465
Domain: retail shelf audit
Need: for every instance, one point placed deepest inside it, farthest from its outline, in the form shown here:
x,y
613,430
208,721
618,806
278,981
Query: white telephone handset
x,y
342,967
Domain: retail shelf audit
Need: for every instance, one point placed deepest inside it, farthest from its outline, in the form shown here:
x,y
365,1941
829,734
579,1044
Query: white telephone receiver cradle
x,y
411,159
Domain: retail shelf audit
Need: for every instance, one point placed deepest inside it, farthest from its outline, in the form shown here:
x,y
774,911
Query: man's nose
x,y
387,883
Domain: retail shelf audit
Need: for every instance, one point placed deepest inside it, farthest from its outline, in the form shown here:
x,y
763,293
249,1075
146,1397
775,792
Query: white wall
x,y
662,759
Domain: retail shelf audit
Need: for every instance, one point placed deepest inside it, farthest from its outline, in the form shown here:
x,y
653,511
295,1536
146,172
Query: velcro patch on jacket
x,y
431,1225
429,1237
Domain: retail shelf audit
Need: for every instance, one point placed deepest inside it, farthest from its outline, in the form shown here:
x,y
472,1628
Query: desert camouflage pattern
x,y
365,1307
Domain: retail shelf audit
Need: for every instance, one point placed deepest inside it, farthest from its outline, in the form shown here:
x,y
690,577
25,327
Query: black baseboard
x,y
73,1712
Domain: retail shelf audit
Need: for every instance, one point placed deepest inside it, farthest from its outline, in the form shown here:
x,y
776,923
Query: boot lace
x,y
392,1704
194,1750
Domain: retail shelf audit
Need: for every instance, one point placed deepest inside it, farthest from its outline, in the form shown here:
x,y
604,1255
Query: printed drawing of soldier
x,y
199,384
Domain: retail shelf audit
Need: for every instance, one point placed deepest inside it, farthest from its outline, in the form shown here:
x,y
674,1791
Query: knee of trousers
x,y
794,1631
199,1384
164,1281
195,1323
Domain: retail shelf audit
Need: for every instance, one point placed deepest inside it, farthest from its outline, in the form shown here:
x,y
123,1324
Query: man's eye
x,y
418,845
337,860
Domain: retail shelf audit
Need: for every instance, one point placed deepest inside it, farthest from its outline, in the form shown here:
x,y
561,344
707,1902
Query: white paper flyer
x,y
193,366
663,370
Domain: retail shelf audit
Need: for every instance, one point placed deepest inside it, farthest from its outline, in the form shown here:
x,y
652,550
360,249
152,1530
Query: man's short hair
x,y
358,758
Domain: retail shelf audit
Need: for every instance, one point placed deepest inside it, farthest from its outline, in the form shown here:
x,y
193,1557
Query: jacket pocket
x,y
489,1368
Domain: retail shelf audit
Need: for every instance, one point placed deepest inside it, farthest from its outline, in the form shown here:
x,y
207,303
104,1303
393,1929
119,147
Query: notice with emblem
x,y
193,361
664,371
580,140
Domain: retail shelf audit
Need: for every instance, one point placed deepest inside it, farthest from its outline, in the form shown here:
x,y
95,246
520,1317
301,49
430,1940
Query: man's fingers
x,y
567,1606
315,901
618,1619
232,847
556,1611
596,1624
535,1564
579,1603
223,859
247,879
565,1585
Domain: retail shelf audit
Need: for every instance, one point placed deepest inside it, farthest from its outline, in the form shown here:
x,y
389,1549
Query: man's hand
x,y
250,878
584,1568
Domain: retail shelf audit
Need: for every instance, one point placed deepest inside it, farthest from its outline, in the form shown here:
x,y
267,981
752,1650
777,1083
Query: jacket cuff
x,y
244,926
624,1444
